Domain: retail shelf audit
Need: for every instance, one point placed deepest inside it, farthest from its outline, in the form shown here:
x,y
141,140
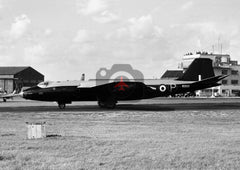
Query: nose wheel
x,y
61,105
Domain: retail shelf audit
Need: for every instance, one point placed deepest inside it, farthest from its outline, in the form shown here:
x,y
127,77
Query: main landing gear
x,y
108,105
61,105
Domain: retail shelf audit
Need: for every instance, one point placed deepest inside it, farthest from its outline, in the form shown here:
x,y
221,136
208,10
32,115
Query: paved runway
x,y
158,104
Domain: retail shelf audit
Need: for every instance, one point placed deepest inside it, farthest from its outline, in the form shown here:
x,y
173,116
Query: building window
x,y
234,72
224,82
224,72
234,82
234,63
236,92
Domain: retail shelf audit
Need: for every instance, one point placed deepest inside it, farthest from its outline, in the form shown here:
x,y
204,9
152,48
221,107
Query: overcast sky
x,y
64,38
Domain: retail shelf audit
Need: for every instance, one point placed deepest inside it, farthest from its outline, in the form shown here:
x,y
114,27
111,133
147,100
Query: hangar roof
x,y
11,70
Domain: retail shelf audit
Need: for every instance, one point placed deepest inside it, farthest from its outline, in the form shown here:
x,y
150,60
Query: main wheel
x,y
111,105
61,105
101,104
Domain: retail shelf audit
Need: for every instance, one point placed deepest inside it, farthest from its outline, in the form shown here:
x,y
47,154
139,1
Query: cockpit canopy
x,y
44,84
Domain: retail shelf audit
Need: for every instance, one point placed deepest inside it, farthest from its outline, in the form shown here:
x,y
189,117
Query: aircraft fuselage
x,y
66,92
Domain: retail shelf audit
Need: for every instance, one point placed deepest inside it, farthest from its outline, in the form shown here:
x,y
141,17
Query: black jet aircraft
x,y
107,94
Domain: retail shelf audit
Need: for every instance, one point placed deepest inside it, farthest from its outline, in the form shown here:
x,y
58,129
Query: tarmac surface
x,y
157,104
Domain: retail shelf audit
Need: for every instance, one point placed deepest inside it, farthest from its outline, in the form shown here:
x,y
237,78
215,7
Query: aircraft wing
x,y
116,91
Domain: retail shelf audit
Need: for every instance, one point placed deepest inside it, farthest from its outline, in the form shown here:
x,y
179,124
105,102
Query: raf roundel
x,y
162,88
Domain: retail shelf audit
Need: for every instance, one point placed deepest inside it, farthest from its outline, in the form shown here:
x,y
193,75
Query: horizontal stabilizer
x,y
211,80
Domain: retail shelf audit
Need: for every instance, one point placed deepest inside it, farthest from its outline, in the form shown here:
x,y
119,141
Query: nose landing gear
x,y
62,104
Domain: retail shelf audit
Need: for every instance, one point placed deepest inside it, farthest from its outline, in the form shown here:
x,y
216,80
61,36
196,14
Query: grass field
x,y
85,137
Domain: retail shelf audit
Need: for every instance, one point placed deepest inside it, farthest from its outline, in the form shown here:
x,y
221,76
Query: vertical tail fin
x,y
199,66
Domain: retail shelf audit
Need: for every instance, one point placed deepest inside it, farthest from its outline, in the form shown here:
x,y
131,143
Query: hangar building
x,y
14,78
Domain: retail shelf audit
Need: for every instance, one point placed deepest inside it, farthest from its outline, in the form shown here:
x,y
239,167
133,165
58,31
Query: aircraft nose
x,y
26,94
21,93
